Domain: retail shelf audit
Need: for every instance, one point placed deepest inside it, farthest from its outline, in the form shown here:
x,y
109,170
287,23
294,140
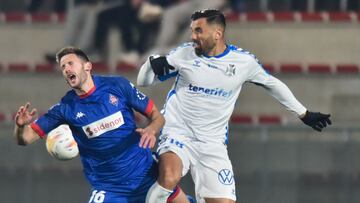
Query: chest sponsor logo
x,y
103,125
218,92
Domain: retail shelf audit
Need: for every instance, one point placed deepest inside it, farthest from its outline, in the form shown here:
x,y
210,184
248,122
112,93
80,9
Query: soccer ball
x,y
60,143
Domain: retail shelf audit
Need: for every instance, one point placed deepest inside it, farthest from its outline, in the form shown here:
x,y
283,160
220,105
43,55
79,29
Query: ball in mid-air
x,y
60,143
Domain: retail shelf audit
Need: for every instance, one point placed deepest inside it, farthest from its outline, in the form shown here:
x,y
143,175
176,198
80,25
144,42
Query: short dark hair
x,y
211,15
71,50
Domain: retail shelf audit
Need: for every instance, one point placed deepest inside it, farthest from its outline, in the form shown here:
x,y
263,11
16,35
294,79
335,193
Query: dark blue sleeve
x,y
48,121
134,97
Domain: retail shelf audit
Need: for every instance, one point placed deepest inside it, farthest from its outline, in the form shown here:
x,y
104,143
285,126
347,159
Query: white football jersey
x,y
206,88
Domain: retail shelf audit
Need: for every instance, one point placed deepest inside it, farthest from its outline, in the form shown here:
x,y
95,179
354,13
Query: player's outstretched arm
x,y
148,134
316,120
283,94
24,134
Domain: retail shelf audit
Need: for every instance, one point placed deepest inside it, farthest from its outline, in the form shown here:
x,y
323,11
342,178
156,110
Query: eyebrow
x,y
195,28
61,65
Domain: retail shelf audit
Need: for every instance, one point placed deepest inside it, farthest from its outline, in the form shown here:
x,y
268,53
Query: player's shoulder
x,y
66,100
238,50
117,83
110,79
100,81
183,48
242,54
68,97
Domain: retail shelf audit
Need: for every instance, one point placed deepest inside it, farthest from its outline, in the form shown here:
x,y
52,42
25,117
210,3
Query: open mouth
x,y
71,77
197,46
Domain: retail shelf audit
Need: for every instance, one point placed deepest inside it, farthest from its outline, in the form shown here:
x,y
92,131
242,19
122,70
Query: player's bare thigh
x,y
170,169
218,200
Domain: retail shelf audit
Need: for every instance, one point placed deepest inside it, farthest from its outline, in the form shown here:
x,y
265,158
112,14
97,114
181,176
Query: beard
x,y
203,49
198,51
198,48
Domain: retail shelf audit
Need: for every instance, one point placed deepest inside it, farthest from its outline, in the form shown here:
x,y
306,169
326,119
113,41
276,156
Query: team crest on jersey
x,y
113,100
230,70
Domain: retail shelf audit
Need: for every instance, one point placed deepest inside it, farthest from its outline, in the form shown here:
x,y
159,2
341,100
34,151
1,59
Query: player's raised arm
x,y
146,76
24,134
148,134
155,66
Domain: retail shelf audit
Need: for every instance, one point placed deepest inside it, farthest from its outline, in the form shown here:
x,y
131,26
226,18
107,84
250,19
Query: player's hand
x,y
23,116
316,120
148,138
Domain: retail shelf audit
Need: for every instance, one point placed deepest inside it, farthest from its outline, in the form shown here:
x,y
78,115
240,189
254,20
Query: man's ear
x,y
88,66
218,33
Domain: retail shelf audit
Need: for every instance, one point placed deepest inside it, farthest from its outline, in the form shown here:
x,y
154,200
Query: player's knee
x,y
169,177
170,169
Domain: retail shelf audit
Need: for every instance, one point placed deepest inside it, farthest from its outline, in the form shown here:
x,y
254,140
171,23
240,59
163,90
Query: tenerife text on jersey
x,y
213,92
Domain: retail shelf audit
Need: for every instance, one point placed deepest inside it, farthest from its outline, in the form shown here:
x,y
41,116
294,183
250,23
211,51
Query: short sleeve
x,y
135,98
49,121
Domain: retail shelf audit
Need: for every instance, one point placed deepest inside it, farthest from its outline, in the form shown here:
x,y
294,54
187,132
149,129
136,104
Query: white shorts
x,y
209,165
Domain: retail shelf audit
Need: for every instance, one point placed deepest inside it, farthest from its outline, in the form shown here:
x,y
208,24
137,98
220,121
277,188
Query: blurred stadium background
x,y
311,45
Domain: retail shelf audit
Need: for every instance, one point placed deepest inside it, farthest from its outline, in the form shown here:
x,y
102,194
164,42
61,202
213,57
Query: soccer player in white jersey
x,y
209,76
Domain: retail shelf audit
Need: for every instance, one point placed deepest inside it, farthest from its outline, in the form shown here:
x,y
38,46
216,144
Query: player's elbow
x,y
145,77
141,83
25,140
22,142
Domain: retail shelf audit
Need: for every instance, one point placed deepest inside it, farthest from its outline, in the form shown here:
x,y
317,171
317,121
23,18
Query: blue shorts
x,y
101,196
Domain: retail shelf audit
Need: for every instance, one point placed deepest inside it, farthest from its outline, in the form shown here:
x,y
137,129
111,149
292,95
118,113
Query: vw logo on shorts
x,y
226,177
